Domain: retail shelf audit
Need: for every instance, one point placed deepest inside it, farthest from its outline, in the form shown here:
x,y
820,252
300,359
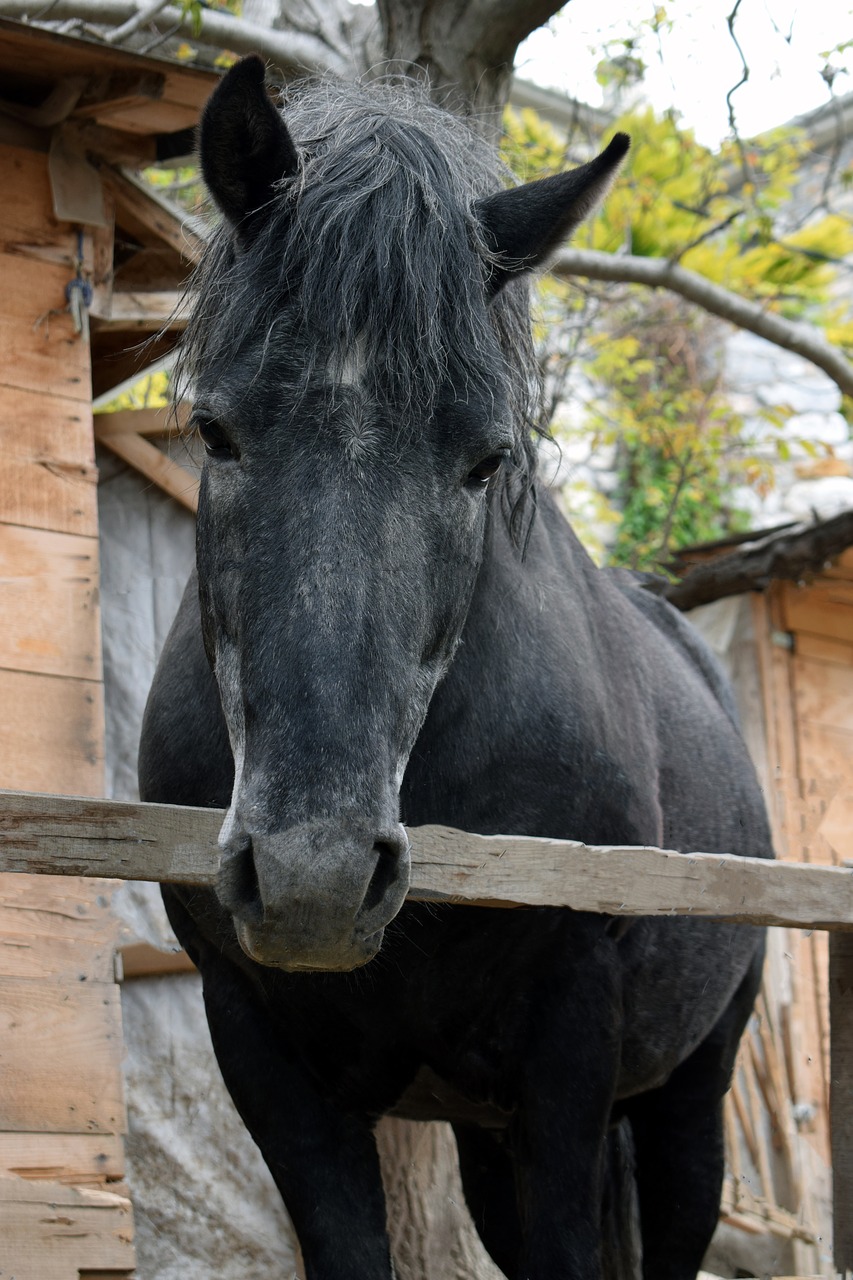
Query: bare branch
x,y
657,273
142,15
295,53
730,23
706,235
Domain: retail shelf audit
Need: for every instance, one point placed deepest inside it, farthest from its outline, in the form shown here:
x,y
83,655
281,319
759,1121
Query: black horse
x,y
391,622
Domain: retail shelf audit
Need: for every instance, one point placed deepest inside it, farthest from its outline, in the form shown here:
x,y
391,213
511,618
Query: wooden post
x,y
841,1094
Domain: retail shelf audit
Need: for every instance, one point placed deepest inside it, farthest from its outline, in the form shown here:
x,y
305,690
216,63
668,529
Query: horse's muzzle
x,y
316,896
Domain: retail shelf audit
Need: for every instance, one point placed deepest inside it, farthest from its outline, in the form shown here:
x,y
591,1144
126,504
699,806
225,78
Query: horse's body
x,y
540,696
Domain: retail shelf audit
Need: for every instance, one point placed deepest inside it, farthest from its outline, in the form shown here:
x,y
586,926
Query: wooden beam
x,y
143,422
119,91
174,479
841,1096
66,835
102,142
142,312
151,213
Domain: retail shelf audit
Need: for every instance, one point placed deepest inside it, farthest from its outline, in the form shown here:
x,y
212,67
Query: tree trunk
x,y
432,1235
465,49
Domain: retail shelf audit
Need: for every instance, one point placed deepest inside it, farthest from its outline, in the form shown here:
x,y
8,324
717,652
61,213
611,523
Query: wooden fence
x,y
85,837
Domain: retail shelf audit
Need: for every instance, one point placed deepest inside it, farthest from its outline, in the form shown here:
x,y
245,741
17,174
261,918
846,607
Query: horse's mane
x,y
375,240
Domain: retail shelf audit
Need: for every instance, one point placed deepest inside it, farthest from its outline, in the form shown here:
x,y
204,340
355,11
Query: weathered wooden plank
x,y
174,479
128,841
118,91
32,288
51,732
816,647
841,1096
43,493
46,357
42,352
49,602
824,692
48,479
57,927
50,1231
78,1159
38,427
27,205
143,422
142,211
150,117
60,1057
142,312
821,609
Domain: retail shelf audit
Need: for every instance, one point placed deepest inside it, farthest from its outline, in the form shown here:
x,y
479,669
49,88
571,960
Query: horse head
x,y
359,363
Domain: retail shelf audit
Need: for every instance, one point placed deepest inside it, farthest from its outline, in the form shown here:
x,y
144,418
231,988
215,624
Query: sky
x,y
692,66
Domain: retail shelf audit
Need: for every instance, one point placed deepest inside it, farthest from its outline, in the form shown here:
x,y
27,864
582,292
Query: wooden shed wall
x,y
805,645
63,1211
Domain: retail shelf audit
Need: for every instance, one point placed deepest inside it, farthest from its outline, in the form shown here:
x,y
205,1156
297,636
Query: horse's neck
x,y
553,585
534,636
522,733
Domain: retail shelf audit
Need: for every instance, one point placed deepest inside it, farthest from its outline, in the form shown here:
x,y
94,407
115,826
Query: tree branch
x,y
658,273
792,555
294,53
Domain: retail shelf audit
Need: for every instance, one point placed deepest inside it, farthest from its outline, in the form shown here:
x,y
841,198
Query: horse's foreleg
x,y
324,1162
680,1156
560,1134
488,1179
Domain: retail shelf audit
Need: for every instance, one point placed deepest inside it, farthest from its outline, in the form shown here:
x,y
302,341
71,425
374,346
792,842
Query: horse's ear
x,y
244,144
524,225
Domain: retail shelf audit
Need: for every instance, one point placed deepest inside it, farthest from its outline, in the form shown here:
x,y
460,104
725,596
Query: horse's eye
x,y
479,476
214,439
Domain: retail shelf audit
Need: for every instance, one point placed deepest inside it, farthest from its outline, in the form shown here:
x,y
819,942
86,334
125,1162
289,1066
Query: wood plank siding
x,y
63,1209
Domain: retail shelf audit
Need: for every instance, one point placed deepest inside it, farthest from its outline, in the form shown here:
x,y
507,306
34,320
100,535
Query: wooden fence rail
x,y
65,835
109,838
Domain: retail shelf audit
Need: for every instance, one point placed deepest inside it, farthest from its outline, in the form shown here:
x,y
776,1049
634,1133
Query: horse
x,y
390,623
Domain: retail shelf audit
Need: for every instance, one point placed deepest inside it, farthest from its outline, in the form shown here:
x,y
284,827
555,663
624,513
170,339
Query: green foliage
x,y
183,186
677,439
150,392
651,361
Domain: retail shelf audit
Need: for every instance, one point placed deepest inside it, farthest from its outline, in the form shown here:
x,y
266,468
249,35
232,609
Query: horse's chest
x,y
429,1097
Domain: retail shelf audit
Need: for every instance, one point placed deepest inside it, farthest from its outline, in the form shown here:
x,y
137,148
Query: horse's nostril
x,y
385,873
239,888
